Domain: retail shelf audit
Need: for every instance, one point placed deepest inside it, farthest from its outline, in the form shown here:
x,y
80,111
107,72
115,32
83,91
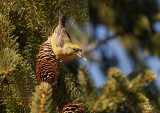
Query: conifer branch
x,y
94,45
41,100
97,102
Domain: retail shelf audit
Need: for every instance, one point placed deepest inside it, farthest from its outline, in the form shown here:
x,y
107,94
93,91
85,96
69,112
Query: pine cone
x,y
47,64
73,107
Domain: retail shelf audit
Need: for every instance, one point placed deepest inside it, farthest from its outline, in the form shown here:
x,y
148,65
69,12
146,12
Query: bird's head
x,y
72,51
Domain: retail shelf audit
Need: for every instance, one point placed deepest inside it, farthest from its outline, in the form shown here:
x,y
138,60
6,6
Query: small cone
x,y
73,107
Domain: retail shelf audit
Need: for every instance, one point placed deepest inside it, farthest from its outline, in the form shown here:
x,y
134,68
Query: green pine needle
x,y
41,100
8,60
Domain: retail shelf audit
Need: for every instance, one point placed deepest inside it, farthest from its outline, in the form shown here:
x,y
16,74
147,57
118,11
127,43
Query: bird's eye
x,y
74,49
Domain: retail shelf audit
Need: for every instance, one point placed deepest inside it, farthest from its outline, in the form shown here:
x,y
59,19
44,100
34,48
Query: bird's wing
x,y
61,34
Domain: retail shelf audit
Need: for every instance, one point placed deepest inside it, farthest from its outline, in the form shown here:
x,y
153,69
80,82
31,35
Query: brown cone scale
x,y
47,64
73,107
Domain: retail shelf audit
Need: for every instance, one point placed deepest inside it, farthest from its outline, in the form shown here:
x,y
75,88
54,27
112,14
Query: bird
x,y
57,48
61,42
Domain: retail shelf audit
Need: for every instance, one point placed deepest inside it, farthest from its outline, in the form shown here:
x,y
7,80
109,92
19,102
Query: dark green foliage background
x,y
26,24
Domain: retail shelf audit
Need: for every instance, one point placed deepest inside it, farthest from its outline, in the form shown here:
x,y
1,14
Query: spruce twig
x,y
41,100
